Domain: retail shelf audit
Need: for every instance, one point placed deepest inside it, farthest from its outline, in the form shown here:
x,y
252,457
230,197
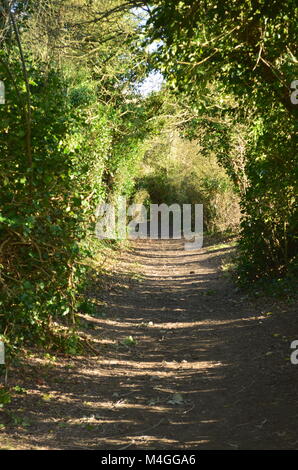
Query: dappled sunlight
x,y
209,323
170,369
142,368
148,225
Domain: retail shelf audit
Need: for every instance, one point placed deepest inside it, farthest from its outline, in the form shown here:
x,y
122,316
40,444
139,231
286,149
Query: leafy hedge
x,y
77,158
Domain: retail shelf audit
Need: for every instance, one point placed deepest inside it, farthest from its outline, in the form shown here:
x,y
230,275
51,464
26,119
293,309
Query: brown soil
x,y
186,361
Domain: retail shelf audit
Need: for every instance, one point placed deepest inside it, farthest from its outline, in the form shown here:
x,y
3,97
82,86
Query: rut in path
x,y
208,370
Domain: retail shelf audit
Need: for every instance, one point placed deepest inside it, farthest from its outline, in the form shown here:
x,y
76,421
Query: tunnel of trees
x,y
78,128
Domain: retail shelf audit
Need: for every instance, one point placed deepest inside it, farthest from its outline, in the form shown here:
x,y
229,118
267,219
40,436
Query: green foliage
x,y
5,397
233,63
75,132
177,169
65,146
269,224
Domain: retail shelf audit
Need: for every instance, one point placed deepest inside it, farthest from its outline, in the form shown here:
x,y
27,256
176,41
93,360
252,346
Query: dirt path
x,y
187,362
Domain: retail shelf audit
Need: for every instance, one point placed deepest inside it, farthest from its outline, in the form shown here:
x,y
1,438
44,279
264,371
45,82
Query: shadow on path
x,y
203,370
